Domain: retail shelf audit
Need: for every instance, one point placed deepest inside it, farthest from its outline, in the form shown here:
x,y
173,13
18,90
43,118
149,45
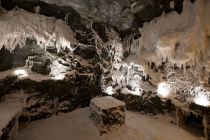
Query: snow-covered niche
x,y
18,25
180,38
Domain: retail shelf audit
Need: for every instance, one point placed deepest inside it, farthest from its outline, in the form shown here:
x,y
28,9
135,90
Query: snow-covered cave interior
x,y
57,56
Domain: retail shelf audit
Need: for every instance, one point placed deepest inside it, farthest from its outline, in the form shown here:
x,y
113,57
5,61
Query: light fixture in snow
x,y
163,90
202,100
20,73
109,90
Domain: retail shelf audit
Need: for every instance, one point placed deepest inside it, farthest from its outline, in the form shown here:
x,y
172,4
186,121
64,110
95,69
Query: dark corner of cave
x,y
105,69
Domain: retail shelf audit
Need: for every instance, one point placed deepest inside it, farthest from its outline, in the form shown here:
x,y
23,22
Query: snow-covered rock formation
x,y
71,51
107,112
18,25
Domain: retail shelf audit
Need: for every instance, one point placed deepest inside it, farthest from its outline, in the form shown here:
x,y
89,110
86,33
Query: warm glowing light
x,y
202,100
109,90
20,73
163,90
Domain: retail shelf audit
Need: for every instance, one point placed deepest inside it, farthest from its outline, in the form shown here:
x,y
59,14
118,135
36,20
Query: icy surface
x,y
78,126
18,25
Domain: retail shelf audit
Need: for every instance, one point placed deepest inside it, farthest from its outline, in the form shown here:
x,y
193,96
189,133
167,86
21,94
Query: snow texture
x,y
106,102
179,38
10,107
18,25
77,125
107,112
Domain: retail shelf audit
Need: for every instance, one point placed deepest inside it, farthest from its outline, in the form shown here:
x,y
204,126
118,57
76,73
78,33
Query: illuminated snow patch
x,y
58,70
20,73
109,90
163,90
202,100
59,77
136,92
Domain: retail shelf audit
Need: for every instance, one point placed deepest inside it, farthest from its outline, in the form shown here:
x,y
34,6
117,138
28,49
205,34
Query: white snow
x,y
136,92
180,38
163,90
106,102
77,125
109,90
202,100
18,25
58,71
20,73
11,105
31,75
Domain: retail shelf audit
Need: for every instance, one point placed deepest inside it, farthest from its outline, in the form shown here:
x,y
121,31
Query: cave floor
x,y
77,125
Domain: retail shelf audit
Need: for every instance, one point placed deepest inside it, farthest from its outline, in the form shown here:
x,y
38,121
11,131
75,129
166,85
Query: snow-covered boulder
x,y
108,113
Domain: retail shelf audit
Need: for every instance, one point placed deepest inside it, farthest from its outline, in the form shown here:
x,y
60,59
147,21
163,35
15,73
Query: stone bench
x,y
107,112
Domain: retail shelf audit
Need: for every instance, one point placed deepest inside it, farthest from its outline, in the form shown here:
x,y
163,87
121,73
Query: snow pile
x,y
18,25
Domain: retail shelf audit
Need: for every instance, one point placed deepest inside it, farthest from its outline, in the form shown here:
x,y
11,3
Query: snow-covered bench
x,y
108,113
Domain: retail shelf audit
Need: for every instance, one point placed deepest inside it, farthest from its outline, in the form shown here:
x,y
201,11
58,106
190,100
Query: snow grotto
x,y
104,69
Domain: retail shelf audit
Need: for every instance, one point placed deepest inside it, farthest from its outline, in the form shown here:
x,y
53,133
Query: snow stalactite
x,y
18,25
176,40
180,38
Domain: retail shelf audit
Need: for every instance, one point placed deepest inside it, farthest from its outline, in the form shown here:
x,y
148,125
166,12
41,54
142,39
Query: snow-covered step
x,y
10,108
108,113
